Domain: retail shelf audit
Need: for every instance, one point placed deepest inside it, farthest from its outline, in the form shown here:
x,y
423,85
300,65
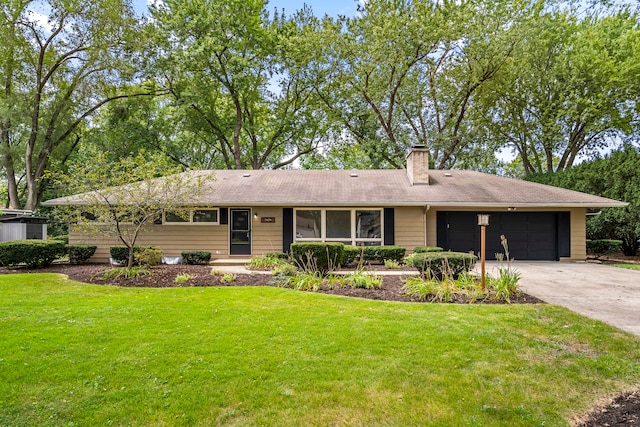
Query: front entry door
x,y
240,234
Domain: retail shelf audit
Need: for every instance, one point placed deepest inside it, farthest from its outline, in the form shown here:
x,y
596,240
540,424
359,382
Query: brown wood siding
x,y
578,234
172,239
266,237
409,227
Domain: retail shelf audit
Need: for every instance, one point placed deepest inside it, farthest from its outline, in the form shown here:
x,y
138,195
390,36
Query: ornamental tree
x,y
126,197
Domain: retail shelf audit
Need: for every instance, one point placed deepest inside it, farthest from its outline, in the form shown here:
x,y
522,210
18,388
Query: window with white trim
x,y
359,227
192,216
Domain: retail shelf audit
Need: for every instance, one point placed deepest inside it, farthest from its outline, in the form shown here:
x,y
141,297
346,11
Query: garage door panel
x,y
530,235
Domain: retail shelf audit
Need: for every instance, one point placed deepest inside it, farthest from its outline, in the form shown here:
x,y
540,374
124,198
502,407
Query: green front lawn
x,y
77,354
629,266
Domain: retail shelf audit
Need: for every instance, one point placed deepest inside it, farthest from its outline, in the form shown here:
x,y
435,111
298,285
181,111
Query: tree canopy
x,y
616,176
231,84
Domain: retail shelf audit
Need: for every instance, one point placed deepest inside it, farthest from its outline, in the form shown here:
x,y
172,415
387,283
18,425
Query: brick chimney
x,y
418,165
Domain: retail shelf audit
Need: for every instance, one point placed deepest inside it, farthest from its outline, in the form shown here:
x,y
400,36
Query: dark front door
x,y
240,233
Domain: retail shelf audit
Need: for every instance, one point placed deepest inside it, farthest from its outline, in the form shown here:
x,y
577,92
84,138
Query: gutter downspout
x,y
424,222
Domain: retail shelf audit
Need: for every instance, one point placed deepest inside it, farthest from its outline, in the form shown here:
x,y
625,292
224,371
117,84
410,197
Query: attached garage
x,y
531,235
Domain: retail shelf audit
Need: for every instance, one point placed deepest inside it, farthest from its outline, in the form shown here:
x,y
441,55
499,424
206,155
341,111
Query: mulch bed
x,y
164,277
622,411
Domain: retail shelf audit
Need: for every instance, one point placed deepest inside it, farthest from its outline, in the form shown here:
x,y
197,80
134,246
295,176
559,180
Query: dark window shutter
x,y
287,229
224,216
442,229
389,227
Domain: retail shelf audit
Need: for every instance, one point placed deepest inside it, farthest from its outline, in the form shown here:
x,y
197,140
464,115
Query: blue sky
x,y
319,7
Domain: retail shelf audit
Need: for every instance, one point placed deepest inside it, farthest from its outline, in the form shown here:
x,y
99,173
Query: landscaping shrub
x,y
438,265
33,253
277,255
120,254
318,256
148,255
603,247
142,255
196,257
63,238
423,249
79,254
351,253
382,253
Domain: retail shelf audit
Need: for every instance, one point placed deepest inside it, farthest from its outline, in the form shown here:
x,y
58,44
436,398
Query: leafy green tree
x,y
125,197
616,176
407,73
568,90
56,71
235,81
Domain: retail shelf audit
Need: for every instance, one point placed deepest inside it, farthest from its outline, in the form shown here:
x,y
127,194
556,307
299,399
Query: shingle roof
x,y
379,188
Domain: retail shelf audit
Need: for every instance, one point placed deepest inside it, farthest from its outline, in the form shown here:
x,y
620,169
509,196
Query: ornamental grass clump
x,y
266,262
362,279
183,278
505,285
127,272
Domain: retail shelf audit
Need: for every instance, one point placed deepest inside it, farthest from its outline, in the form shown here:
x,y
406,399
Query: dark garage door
x,y
531,235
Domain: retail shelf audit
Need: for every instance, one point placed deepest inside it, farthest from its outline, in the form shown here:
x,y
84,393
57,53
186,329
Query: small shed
x,y
21,225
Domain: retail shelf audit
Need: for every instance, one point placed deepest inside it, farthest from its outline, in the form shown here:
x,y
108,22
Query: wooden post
x,y
483,229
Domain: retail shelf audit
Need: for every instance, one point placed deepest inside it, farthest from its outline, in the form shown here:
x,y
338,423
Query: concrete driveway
x,y
598,291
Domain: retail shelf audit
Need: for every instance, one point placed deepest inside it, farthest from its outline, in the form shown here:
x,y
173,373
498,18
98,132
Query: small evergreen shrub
x,y
382,253
79,254
120,254
438,265
603,247
196,257
33,253
319,256
423,249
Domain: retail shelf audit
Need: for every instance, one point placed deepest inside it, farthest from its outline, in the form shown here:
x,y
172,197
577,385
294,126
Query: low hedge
x,y
437,265
63,238
319,256
196,257
351,253
383,253
424,249
33,253
79,254
603,247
